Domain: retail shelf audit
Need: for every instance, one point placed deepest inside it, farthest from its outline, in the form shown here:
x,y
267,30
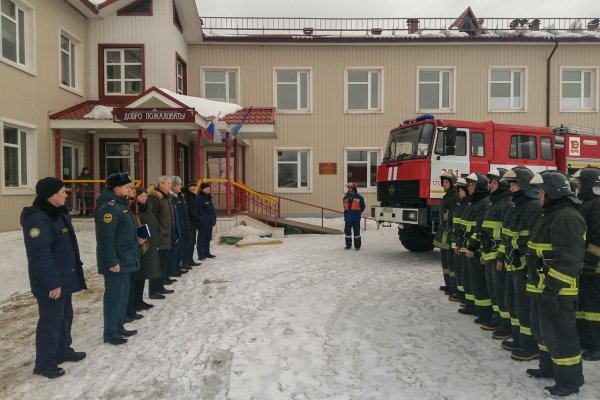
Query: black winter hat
x,y
117,179
204,185
47,187
191,183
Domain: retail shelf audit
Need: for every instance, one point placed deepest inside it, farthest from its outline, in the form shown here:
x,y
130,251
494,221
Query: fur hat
x,y
117,179
47,187
191,183
204,185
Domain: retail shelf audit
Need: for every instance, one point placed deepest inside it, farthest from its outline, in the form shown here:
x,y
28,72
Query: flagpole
x,y
228,184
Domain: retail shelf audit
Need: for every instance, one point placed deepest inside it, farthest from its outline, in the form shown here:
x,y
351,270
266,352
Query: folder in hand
x,y
143,231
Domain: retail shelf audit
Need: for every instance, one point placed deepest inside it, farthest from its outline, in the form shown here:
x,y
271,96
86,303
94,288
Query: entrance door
x,y
183,162
121,157
448,157
215,169
72,160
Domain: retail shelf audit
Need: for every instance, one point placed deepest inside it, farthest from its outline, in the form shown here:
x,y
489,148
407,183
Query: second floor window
x,y
12,23
123,71
292,90
363,90
181,77
578,89
436,90
221,85
506,89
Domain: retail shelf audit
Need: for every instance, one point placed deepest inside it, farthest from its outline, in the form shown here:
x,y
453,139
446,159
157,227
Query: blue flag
x,y
236,128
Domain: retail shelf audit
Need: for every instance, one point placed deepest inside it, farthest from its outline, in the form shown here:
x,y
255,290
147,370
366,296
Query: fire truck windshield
x,y
410,142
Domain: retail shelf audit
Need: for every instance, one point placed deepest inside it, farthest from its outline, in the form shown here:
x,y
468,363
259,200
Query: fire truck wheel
x,y
416,238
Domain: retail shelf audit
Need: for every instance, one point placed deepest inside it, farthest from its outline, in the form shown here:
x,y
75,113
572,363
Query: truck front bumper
x,y
411,216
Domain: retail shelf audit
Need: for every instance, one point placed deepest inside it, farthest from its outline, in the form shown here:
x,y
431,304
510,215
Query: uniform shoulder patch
x,y
107,218
34,233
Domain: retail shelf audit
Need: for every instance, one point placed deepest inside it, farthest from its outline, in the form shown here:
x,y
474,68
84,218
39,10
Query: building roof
x,y
257,116
79,110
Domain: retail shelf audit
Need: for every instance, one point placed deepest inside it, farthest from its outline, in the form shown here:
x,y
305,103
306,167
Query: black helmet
x,y
481,180
449,176
589,178
554,183
519,174
496,173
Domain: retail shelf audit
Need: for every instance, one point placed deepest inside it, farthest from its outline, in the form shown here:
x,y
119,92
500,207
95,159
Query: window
x,y
221,85
181,75
507,89
546,147
477,144
71,63
17,46
123,71
292,90
121,157
18,161
292,169
523,147
361,167
578,89
436,90
447,149
363,91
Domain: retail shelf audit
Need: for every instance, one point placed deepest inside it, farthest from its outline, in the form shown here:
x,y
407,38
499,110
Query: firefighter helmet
x,y
554,183
480,180
496,173
589,178
461,183
519,174
449,176
352,185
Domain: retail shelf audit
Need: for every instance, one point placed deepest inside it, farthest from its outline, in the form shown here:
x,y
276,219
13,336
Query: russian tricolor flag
x,y
212,132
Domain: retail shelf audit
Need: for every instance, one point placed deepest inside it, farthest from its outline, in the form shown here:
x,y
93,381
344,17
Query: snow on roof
x,y
100,112
206,108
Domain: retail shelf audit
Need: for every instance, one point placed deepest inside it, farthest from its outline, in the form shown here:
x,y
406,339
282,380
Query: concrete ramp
x,y
292,227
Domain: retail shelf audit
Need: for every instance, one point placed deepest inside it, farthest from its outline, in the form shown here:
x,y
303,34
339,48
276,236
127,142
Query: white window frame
x,y
30,42
32,158
371,186
75,44
594,87
180,77
452,88
523,88
309,97
308,189
122,64
369,109
227,83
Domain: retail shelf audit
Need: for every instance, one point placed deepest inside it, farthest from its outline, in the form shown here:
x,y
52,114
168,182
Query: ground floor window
x,y
17,155
361,167
292,169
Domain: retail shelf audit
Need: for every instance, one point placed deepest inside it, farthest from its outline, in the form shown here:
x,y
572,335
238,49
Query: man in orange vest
x,y
354,205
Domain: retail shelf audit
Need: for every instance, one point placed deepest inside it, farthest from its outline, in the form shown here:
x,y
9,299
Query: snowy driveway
x,y
302,320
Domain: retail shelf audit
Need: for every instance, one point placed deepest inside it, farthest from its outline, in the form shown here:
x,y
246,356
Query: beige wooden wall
x,y
29,98
328,130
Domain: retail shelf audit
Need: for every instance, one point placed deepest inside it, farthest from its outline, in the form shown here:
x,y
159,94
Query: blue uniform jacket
x,y
208,215
52,249
181,221
116,234
354,205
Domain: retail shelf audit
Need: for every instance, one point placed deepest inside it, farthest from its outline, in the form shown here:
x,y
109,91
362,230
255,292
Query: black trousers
x,y
588,313
522,305
509,302
156,284
458,272
204,237
482,300
116,298
188,258
349,227
447,258
498,292
554,327
53,333
466,280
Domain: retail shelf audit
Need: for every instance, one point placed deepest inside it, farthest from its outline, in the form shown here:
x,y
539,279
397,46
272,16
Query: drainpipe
x,y
548,83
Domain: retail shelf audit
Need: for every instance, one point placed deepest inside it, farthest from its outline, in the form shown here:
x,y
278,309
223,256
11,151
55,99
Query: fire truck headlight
x,y
408,215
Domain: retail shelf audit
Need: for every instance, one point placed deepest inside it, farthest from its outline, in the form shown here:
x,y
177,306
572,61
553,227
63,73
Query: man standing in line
x,y
117,254
208,219
55,273
189,192
443,236
354,205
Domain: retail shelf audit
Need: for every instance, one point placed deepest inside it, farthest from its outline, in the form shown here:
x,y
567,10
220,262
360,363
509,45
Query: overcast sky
x,y
398,8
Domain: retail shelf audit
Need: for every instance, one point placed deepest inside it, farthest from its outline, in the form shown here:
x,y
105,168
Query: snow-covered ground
x,y
301,320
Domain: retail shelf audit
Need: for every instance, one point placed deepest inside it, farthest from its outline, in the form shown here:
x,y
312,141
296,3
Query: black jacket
x,y
192,207
443,236
490,233
206,209
52,251
458,227
590,211
474,219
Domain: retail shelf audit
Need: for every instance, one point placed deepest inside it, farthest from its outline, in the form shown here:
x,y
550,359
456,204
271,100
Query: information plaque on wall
x,y
328,168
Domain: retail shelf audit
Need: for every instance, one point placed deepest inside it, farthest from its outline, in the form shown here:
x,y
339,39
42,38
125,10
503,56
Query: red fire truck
x,y
418,151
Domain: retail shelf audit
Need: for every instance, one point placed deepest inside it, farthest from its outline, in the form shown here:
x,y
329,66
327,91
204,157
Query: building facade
x,y
337,92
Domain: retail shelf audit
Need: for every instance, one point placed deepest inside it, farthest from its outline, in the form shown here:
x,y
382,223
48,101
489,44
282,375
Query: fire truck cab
x,y
418,151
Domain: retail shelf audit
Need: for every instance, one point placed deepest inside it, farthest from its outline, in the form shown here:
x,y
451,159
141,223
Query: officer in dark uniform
x,y
588,314
443,236
516,228
117,254
554,259
208,219
55,273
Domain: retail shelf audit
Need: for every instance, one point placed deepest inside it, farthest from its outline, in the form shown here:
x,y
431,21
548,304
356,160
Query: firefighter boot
x,y
510,345
539,373
559,391
499,334
524,355
591,355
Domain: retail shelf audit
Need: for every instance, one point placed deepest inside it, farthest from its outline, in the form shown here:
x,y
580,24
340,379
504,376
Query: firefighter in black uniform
x,y
478,189
443,235
491,234
516,228
458,237
554,260
588,314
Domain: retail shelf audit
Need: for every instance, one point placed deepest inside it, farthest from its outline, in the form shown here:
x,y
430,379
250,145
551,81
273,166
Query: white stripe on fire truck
x,y
395,173
390,173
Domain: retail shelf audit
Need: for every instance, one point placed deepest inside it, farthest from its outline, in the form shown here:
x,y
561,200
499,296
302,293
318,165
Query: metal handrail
x,y
83,190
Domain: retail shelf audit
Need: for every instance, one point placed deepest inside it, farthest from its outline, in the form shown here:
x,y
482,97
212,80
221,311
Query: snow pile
x,y
247,233
206,108
452,33
99,112
538,34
